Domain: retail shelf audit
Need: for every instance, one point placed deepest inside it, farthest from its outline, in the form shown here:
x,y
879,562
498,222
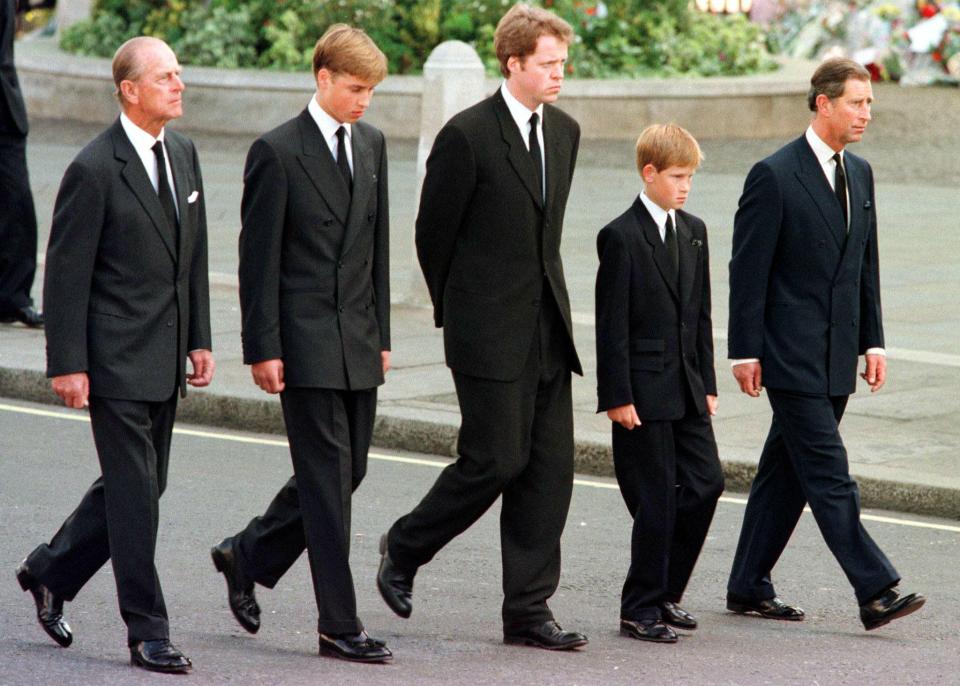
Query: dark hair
x,y
831,78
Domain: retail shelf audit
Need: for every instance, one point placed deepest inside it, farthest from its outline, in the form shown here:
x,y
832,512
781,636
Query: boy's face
x,y
669,187
343,96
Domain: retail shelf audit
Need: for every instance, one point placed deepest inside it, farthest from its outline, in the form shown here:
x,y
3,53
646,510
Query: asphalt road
x,y
219,479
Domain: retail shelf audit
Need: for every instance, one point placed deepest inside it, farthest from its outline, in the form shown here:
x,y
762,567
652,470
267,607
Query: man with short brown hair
x,y
804,304
488,240
315,301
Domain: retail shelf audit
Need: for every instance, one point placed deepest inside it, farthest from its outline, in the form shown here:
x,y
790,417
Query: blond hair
x,y
344,49
520,28
667,145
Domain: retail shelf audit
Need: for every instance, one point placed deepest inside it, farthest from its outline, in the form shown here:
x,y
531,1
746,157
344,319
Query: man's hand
x,y
268,375
625,415
875,373
749,378
203,364
73,389
385,361
712,404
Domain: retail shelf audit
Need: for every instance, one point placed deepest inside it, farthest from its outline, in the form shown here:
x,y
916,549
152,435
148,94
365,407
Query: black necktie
x,y
342,164
670,241
165,191
840,188
535,152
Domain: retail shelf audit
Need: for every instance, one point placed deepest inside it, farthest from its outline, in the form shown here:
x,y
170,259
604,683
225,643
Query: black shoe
x,y
240,595
159,656
49,607
675,616
888,607
396,585
25,315
548,635
354,647
771,608
648,630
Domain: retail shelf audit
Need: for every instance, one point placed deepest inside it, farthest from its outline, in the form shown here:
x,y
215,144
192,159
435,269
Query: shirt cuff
x,y
746,360
876,351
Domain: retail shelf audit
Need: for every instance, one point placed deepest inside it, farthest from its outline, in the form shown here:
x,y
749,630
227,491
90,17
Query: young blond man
x,y
488,240
315,299
656,381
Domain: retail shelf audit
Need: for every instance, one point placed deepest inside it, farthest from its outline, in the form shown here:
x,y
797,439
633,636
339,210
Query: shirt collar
x,y
328,125
823,152
142,141
658,214
519,111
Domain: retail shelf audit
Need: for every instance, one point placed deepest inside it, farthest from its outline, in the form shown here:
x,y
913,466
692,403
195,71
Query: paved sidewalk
x,y
904,443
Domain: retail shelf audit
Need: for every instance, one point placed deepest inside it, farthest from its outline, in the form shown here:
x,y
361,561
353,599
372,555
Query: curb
x,y
401,431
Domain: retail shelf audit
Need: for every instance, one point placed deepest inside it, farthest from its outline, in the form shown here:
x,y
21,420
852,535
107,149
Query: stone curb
x,y
409,430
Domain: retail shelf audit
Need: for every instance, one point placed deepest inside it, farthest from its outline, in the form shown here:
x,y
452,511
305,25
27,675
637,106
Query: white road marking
x,y
81,416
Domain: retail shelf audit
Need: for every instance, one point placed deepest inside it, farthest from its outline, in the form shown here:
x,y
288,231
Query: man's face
x,y
343,96
847,116
157,93
669,187
537,78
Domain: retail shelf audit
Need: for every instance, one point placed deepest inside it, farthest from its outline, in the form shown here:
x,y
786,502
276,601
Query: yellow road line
x,y
80,416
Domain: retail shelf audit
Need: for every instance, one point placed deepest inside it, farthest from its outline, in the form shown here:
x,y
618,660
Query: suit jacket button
x,y
169,322
340,308
327,222
340,264
370,217
535,302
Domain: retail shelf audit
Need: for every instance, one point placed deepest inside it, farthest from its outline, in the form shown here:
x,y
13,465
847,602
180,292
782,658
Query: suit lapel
x,y
321,168
558,155
363,185
136,177
812,178
184,186
652,235
688,258
517,154
858,196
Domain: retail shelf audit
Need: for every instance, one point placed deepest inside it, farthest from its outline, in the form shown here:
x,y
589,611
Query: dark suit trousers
x,y
329,433
18,226
804,461
117,518
670,477
516,440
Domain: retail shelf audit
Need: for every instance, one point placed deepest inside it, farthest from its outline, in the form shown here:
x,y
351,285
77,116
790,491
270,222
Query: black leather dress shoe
x,y
548,636
396,585
888,607
159,656
240,594
25,315
354,647
648,630
49,607
675,616
771,608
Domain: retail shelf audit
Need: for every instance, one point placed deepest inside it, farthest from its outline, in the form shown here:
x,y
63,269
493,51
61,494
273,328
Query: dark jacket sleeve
x,y
705,327
262,211
78,217
613,321
447,189
199,337
871,320
756,229
381,250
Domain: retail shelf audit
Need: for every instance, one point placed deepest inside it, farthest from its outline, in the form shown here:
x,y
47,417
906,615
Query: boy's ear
x,y
648,173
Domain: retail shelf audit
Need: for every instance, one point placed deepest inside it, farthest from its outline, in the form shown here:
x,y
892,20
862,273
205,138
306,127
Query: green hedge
x,y
625,39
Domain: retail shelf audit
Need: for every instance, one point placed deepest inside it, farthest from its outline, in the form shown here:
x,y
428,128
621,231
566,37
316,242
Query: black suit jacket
x,y
486,244
314,261
654,341
804,294
13,113
122,303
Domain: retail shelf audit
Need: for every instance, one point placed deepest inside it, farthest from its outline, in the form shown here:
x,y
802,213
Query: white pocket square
x,y
192,198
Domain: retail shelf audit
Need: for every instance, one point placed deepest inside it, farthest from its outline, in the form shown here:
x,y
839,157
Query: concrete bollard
x,y
453,79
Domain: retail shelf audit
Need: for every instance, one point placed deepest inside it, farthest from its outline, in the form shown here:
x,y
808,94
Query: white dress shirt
x,y
328,129
143,143
659,215
521,115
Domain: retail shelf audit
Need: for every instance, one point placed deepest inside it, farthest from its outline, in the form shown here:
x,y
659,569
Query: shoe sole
x,y
530,643
220,564
903,612
629,634
679,627
747,610
330,652
160,670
